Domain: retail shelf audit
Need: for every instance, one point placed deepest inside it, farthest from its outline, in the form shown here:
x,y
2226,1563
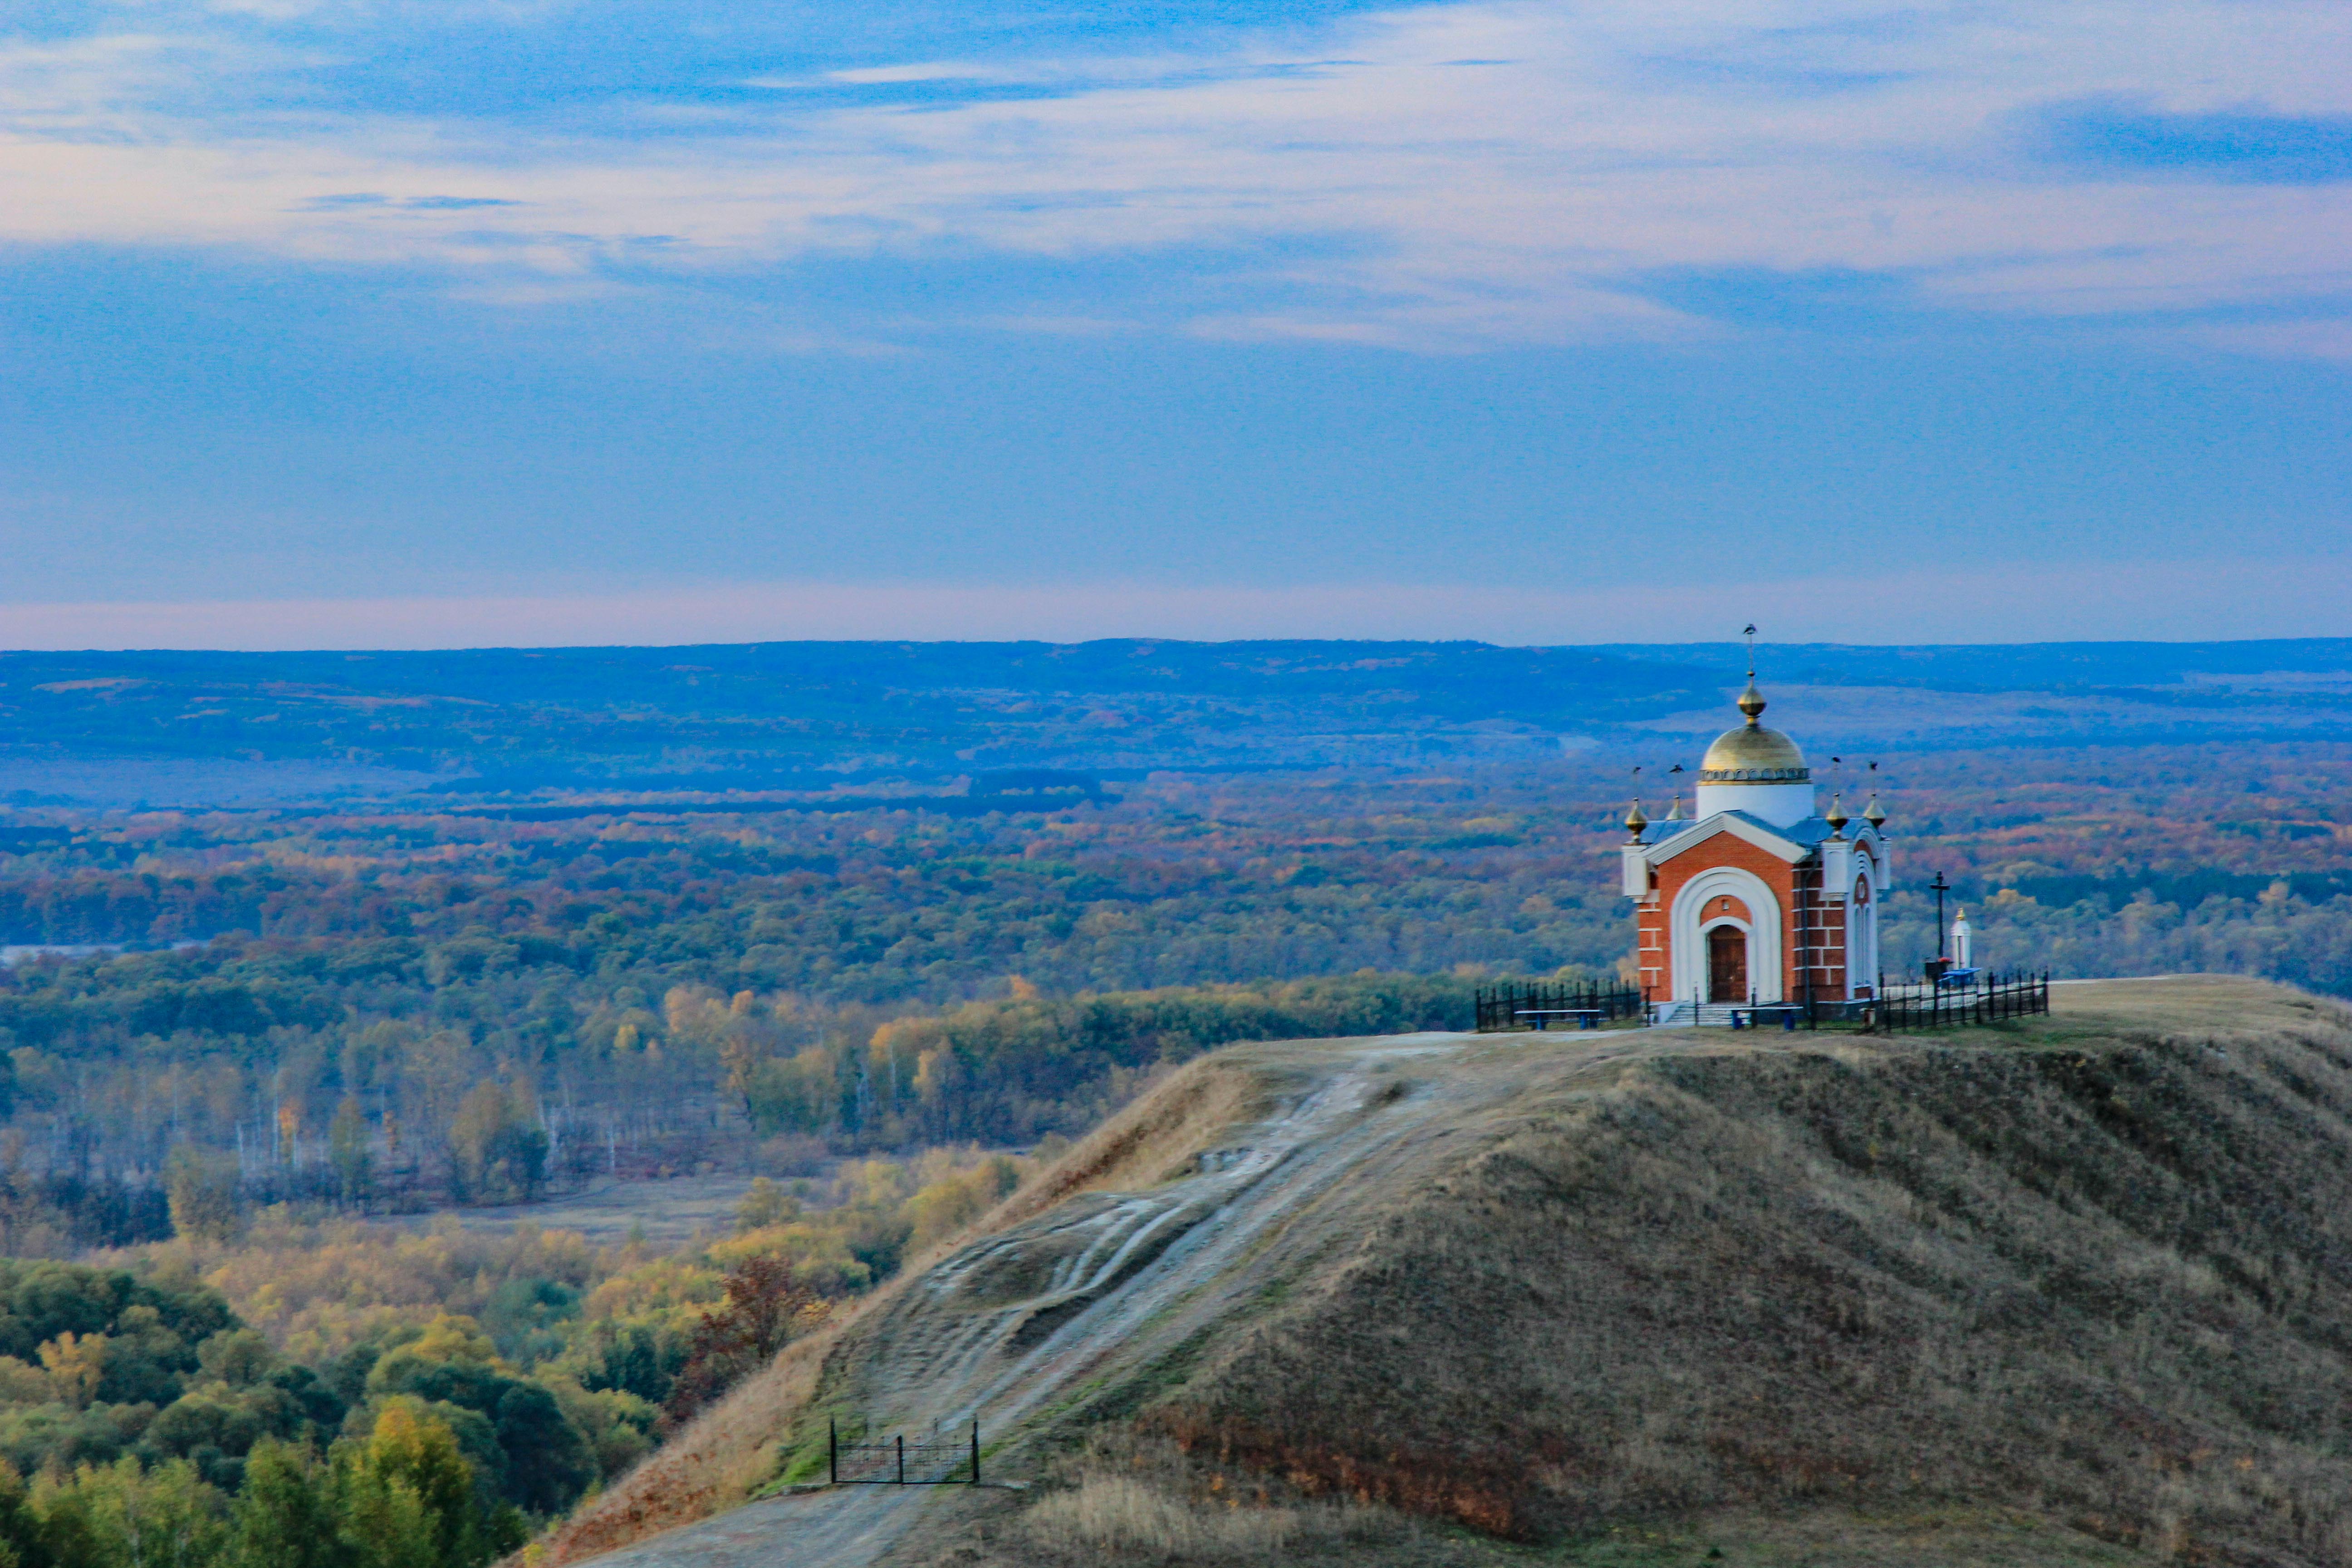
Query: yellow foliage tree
x,y
412,1474
75,1365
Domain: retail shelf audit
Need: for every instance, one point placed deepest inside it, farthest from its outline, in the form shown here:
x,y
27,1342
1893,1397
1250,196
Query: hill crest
x,y
2092,1269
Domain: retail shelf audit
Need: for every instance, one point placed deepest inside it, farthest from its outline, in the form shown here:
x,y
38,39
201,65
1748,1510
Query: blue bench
x,y
1586,1017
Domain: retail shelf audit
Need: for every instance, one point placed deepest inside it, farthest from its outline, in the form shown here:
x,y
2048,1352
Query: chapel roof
x,y
1813,831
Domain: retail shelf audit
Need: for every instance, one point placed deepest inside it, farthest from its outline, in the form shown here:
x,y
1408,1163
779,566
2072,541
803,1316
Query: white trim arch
x,y
1686,931
1861,929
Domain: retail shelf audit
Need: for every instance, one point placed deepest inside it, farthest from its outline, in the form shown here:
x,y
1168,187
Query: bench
x,y
1586,1017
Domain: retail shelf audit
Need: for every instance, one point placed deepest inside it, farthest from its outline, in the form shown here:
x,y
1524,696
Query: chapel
x,y
1757,897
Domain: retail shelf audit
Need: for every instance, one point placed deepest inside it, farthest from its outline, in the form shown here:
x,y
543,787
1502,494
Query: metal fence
x,y
1536,1006
896,1461
1988,1000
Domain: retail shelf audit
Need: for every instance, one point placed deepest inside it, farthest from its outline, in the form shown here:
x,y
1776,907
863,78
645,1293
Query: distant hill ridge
x,y
811,715
2092,1273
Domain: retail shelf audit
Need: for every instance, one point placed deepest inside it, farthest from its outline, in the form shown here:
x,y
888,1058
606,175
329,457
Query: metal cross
x,y
1939,887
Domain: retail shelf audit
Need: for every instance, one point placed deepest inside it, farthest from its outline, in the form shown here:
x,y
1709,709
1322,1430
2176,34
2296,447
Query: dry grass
x,y
1847,1538
670,1210
2101,1269
1136,1502
1119,1518
1135,1523
1152,1141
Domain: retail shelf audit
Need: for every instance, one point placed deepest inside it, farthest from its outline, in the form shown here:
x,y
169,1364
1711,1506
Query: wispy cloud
x,y
1444,176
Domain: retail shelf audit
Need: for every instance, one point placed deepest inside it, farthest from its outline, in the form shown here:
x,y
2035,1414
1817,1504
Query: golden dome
x,y
1751,754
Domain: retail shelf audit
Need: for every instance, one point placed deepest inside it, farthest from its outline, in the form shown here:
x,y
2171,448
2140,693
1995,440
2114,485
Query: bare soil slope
x,y
2093,1270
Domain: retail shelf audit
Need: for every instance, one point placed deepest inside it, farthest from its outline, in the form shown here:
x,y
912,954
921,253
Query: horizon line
x,y
2228,600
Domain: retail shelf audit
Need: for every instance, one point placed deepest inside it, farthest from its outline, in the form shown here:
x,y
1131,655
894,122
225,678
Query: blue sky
x,y
425,321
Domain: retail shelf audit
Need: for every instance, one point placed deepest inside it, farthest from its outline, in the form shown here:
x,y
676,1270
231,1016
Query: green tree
x,y
347,1148
21,1545
765,1205
237,1357
497,1150
127,1517
384,1523
549,1463
285,1515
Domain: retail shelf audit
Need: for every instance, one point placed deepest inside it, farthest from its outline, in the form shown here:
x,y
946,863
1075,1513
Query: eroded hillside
x,y
2094,1271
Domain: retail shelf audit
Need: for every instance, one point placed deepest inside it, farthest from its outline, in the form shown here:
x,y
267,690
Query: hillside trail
x,y
1021,1326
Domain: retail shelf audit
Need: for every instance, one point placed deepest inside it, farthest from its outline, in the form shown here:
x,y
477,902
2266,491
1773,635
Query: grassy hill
x,y
2073,1293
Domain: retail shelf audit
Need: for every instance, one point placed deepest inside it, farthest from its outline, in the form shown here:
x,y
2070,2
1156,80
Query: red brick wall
x,y
1650,945
1724,850
1823,924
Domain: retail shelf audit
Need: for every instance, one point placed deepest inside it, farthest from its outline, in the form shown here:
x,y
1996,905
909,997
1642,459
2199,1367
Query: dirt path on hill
x,y
1023,1327
836,1529
1026,1328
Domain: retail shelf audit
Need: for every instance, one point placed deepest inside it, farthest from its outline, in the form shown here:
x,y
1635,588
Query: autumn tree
x,y
767,1307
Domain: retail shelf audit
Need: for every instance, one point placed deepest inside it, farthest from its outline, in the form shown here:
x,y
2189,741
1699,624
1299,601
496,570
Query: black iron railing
x,y
1986,999
1538,1006
896,1461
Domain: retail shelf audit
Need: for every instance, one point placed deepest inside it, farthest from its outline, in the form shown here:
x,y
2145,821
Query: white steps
x,y
1708,1015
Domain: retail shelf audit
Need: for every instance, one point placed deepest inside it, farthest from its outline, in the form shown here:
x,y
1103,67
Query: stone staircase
x,y
1708,1015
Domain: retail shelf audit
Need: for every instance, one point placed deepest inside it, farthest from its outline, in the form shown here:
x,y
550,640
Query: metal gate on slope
x,y
899,1462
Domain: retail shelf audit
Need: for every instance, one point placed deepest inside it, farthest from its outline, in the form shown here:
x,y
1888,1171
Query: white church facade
x,y
1757,897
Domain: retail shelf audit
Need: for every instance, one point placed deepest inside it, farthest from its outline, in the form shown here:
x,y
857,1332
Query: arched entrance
x,y
1726,963
1717,897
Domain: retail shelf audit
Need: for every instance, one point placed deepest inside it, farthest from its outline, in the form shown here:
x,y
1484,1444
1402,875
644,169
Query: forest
x,y
291,1389
379,1009
247,1055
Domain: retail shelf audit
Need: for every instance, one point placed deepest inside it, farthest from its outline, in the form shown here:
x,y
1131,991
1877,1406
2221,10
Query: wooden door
x,y
1726,964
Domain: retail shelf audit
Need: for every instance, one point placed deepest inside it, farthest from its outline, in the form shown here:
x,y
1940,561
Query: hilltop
x,y
2069,1292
